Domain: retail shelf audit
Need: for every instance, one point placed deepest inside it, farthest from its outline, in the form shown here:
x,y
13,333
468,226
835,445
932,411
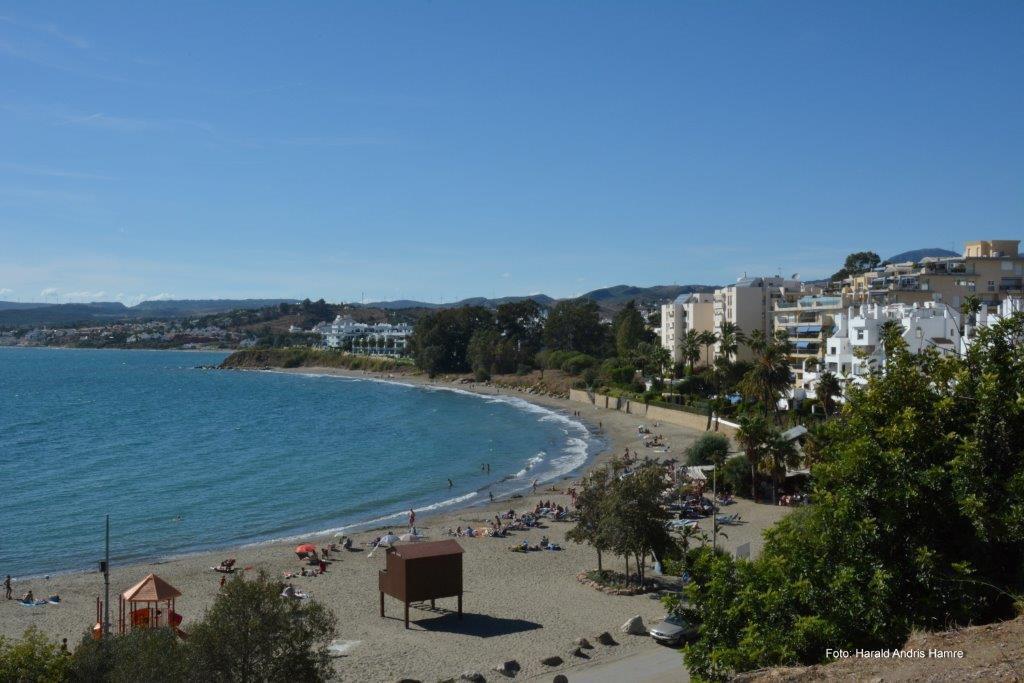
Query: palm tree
x,y
770,374
779,455
753,436
827,389
730,336
707,339
660,359
689,348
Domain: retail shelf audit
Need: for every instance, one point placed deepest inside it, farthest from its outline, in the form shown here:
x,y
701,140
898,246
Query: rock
x,y
634,627
474,676
606,639
552,661
509,668
578,652
584,643
561,678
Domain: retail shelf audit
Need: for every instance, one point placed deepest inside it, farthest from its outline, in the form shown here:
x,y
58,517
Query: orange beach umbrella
x,y
305,548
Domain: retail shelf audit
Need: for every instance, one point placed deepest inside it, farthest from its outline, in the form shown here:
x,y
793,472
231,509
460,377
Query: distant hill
x,y
608,298
182,307
916,255
16,314
613,298
18,305
398,304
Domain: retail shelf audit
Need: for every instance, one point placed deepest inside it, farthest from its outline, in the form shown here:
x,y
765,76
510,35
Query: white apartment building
x,y
854,350
750,304
1006,308
380,339
688,312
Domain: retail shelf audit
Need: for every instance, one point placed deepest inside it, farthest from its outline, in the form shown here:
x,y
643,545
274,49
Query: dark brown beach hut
x,y
422,571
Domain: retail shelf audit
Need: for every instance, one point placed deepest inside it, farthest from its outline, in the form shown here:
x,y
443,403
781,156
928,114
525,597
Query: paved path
x,y
656,664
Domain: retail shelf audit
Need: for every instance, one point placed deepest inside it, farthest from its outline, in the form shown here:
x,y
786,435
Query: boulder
x,y
509,668
561,678
552,661
584,643
474,676
634,627
606,639
578,652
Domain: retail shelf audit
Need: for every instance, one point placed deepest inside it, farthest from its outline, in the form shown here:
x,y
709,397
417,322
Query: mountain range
x,y
13,313
916,255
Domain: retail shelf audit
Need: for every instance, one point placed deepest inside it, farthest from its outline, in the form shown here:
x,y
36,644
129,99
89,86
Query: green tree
x,y
629,328
482,352
689,348
636,522
591,504
575,325
730,337
770,375
916,522
32,659
827,388
857,263
709,449
440,339
707,339
754,435
251,633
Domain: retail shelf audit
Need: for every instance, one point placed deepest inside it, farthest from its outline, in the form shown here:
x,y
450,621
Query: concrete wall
x,y
654,413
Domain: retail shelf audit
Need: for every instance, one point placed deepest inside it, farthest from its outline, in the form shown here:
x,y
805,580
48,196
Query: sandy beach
x,y
517,606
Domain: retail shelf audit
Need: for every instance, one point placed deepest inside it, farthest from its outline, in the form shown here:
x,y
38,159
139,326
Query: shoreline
x,y
518,606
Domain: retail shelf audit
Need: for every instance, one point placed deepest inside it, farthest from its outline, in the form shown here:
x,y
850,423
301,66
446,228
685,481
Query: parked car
x,y
674,630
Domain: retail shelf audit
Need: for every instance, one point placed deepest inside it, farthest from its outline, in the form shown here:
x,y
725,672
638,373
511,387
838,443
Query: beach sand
x,y
517,606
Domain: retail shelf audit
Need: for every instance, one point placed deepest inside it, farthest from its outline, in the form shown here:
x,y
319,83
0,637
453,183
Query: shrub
x,y
33,658
736,476
709,449
577,362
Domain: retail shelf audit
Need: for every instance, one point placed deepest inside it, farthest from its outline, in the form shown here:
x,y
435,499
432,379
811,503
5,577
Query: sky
x,y
440,150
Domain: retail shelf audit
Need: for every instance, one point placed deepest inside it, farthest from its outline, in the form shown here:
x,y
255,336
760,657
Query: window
x,y
860,335
991,285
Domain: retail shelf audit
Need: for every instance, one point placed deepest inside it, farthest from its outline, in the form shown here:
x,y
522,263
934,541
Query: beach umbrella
x,y
387,539
305,548
408,537
339,537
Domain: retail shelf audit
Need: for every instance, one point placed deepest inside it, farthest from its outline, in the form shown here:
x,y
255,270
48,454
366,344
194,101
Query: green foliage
x,y
629,329
440,339
736,477
917,520
769,376
575,325
482,352
32,659
617,372
857,263
709,449
252,633
305,357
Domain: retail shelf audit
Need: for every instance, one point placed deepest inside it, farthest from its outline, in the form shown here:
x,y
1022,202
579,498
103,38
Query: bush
x,y
709,449
577,362
736,476
34,658
617,372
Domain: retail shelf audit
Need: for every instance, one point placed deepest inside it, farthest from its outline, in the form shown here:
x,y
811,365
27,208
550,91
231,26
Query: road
x,y
656,664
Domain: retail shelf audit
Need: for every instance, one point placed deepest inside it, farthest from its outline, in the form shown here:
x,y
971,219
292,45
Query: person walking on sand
x,y
535,486
7,587
412,518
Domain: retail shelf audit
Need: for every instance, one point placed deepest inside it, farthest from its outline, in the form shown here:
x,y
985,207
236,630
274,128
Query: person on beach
x,y
450,484
535,486
491,494
412,518
223,580
7,587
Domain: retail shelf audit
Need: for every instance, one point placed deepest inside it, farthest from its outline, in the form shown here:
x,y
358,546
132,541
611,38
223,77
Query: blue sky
x,y
437,150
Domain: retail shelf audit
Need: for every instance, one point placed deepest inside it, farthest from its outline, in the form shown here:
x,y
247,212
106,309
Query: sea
x,y
184,458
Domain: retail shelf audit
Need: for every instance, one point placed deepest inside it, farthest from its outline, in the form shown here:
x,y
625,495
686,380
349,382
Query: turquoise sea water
x,y
239,456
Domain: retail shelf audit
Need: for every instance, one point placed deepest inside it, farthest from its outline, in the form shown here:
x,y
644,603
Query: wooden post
x,y
407,614
432,603
382,603
460,605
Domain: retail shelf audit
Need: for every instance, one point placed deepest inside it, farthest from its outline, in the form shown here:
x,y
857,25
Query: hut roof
x,y
414,551
151,589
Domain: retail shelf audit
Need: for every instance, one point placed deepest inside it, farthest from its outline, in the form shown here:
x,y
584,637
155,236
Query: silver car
x,y
674,630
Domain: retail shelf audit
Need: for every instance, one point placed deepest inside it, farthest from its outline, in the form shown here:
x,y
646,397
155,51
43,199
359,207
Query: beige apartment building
x,y
750,305
992,270
807,322
688,312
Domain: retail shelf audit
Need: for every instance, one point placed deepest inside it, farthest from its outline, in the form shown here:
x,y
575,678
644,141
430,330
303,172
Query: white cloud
x,y
506,275
49,291
162,296
5,290
83,297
